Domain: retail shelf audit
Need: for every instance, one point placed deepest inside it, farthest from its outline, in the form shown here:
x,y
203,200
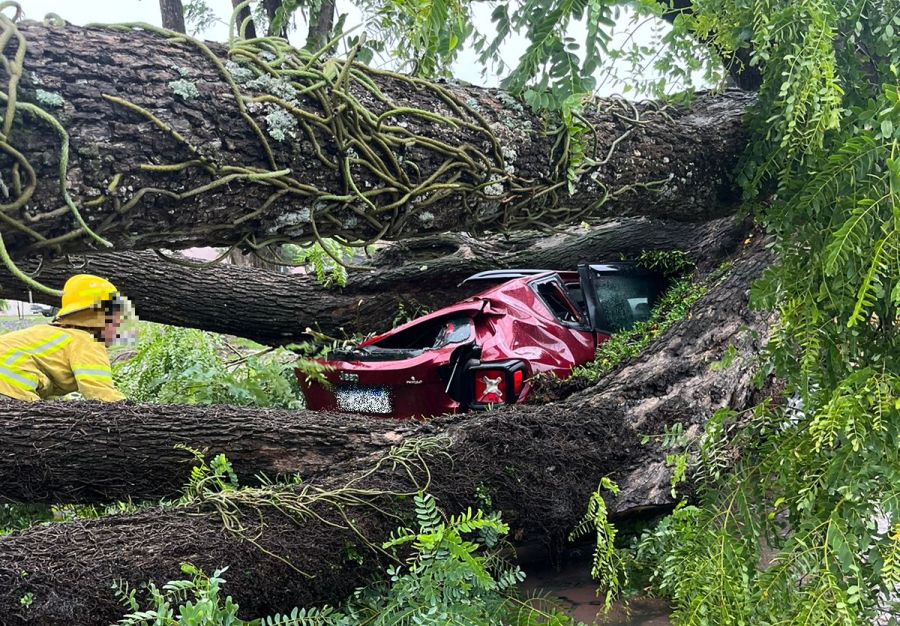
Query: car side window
x,y
559,304
623,301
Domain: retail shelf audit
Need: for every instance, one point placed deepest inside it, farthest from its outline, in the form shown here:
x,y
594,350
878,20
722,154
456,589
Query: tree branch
x,y
152,164
424,273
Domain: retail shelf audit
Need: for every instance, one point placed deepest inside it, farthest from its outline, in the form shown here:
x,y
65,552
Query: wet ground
x,y
577,592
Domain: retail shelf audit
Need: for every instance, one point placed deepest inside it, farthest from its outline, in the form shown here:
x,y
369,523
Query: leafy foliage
x,y
198,16
15,517
215,476
452,574
814,480
558,66
185,366
187,602
608,563
422,36
444,580
671,263
328,259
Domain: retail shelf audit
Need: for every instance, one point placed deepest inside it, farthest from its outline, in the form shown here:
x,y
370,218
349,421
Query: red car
x,y
483,350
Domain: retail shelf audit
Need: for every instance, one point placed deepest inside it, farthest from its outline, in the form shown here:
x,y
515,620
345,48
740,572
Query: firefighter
x,y
69,354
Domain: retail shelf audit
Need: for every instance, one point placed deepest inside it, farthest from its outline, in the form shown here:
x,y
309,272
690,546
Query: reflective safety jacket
x,y
45,361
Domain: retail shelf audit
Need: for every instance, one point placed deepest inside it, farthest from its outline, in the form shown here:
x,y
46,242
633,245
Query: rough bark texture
x,y
538,463
420,274
128,451
675,165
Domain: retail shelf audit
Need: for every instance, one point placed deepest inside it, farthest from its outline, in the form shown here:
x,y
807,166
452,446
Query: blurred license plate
x,y
364,400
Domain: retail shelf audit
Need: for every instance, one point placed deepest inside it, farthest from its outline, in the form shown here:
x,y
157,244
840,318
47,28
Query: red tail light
x,y
490,386
518,380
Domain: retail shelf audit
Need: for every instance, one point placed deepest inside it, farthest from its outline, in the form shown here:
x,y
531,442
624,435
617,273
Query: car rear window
x,y
455,330
432,334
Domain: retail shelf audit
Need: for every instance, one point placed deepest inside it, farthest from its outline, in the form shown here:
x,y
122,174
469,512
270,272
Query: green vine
x,y
212,486
337,112
14,67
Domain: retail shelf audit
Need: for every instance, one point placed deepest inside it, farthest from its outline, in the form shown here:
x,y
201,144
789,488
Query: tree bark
x,y
538,464
172,15
129,451
420,274
134,455
673,164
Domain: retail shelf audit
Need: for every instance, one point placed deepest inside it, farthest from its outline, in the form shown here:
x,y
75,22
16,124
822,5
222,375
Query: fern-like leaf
x,y
851,236
868,289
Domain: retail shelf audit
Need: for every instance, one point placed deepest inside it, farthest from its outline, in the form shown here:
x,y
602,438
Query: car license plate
x,y
364,400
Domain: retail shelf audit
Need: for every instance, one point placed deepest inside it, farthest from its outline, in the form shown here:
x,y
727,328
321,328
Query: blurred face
x,y
111,330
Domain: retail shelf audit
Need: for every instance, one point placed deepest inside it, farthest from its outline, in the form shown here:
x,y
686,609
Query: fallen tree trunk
x,y
88,452
133,456
538,464
419,274
169,149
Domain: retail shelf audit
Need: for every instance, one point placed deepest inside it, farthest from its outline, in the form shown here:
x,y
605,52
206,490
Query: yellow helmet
x,y
85,292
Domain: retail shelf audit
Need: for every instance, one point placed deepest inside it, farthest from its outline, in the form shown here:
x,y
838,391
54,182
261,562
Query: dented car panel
x,y
411,386
471,355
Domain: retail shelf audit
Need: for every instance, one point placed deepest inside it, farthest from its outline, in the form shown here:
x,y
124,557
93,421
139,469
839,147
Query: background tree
x,y
244,18
321,23
172,15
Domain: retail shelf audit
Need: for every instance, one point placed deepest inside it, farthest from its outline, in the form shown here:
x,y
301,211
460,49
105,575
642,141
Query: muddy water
x,y
573,587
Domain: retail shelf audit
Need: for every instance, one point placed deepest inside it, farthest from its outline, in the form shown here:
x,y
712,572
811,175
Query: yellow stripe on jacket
x,y
46,361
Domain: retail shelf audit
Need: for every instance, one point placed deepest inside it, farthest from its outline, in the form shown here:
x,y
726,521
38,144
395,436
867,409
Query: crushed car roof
x,y
508,274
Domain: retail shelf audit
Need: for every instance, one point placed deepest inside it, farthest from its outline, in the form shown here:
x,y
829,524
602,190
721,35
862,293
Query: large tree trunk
x,y
419,274
86,452
538,463
488,166
134,455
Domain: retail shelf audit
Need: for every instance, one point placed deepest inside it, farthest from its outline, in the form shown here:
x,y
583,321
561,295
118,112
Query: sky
x,y
465,68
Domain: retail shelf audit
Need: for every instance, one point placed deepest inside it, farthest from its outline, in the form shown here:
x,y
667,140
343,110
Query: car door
x,y
558,329
619,295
